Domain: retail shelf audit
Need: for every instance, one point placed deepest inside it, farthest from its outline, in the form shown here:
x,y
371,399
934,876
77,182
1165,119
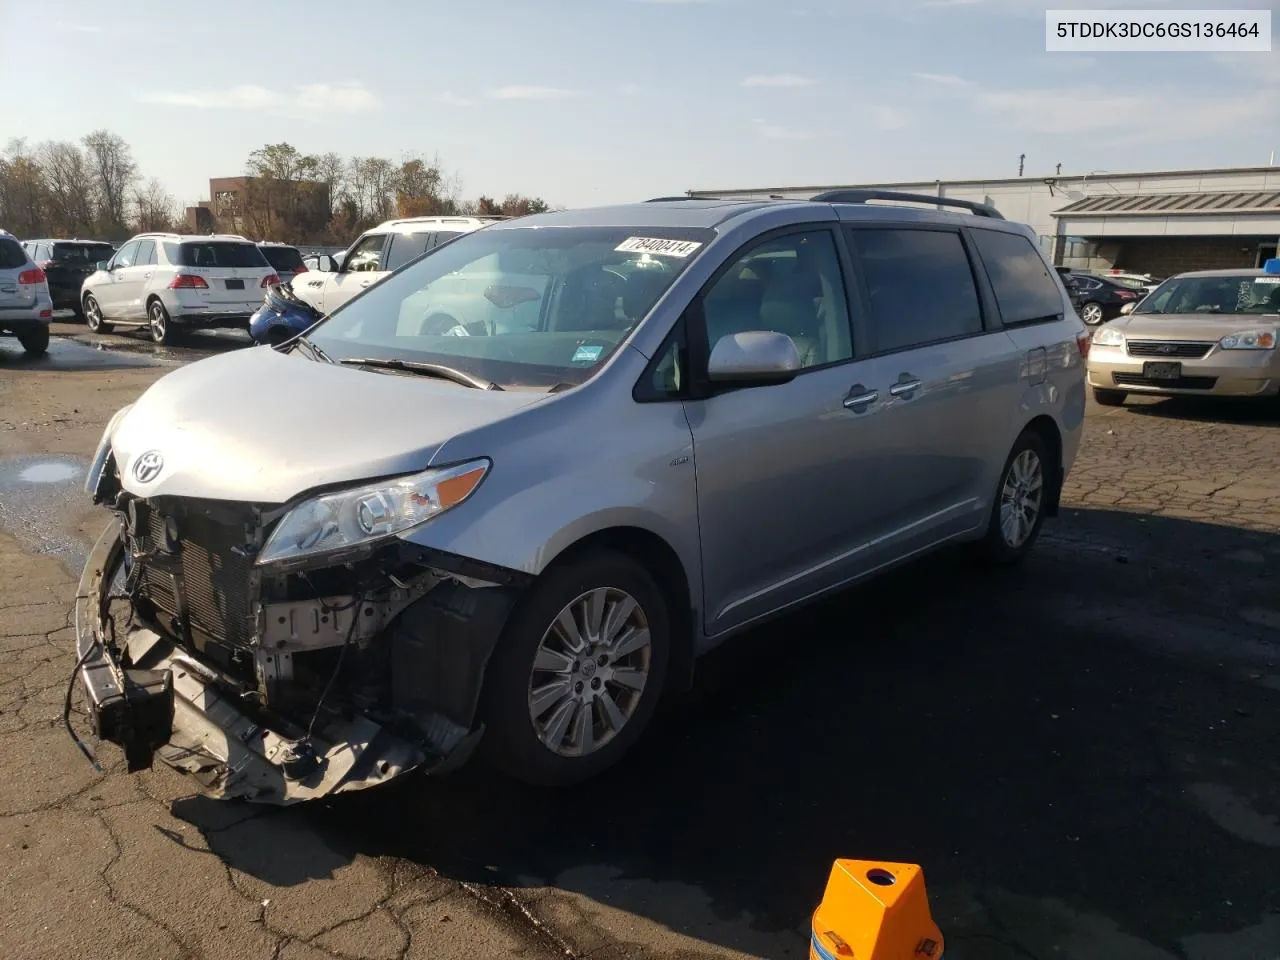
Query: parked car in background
x,y
281,316
698,414
168,283
26,308
66,265
1073,290
1207,333
285,260
1144,283
376,253
1100,299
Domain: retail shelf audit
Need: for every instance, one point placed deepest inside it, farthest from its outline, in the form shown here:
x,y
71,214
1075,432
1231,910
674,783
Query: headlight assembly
x,y
1108,337
94,477
1249,340
365,514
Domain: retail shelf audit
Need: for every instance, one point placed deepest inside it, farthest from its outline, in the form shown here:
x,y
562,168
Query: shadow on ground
x,y
1254,412
1089,730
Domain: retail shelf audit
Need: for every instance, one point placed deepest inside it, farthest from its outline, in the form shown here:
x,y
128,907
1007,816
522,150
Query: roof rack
x,y
862,196
681,197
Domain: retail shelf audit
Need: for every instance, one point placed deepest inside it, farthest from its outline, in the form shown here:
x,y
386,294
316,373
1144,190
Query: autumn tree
x,y
23,197
516,205
68,187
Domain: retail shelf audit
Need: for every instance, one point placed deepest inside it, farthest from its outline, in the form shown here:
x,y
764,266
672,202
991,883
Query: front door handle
x,y
904,388
859,398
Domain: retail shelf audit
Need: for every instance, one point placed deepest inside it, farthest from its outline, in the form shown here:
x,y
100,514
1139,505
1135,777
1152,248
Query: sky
x,y
586,102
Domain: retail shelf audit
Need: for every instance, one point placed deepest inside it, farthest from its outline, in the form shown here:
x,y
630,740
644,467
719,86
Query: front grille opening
x,y
1181,350
1181,383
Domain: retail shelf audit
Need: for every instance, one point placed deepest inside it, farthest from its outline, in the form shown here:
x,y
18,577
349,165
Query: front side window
x,y
1023,287
790,284
126,256
220,253
920,286
520,307
1247,294
366,255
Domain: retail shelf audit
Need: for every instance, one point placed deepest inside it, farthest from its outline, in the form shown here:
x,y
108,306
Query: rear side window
x,y
920,286
81,252
11,254
283,258
1024,290
406,246
220,253
446,235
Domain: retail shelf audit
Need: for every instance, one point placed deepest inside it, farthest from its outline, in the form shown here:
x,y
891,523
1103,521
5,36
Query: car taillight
x,y
270,280
31,276
1082,343
1126,295
186,281
299,269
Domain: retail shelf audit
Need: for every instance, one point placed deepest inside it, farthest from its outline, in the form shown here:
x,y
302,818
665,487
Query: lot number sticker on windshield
x,y
654,245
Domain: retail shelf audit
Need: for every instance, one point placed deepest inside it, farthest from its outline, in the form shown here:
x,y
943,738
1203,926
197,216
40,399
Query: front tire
x,y
93,315
1091,313
1021,497
578,671
35,342
1109,398
160,325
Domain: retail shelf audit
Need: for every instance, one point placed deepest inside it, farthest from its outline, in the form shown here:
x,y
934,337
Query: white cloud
x,y
943,79
780,80
451,99
528,92
771,131
313,100
889,118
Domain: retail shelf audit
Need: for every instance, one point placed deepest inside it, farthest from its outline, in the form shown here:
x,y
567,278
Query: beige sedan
x,y
1211,333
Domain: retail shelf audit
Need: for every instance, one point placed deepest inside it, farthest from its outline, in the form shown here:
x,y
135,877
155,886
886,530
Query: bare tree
x,y
23,196
114,172
373,182
154,207
331,170
70,188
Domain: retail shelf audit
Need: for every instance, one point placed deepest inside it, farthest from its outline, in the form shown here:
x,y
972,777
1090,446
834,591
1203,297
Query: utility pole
x,y
1059,170
1022,157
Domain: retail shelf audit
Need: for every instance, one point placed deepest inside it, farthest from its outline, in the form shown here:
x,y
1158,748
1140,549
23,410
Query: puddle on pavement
x,y
65,354
35,494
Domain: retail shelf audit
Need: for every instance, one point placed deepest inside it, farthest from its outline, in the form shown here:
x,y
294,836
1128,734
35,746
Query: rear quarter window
x,y
11,254
1025,292
220,254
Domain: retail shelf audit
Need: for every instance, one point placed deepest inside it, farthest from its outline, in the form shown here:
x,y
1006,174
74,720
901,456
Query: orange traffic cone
x,y
875,911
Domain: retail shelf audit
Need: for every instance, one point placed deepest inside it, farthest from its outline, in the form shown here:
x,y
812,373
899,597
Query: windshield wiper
x,y
313,347
426,369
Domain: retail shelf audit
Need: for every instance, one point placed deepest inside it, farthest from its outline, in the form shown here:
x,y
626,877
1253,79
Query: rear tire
x,y
577,694
1109,398
93,315
159,324
35,342
1021,497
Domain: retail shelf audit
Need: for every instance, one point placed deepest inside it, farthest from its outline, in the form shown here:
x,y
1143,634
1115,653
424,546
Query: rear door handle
x,y
859,398
904,388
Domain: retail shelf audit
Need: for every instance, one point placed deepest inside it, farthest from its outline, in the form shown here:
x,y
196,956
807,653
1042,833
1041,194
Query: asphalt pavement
x,y
1080,752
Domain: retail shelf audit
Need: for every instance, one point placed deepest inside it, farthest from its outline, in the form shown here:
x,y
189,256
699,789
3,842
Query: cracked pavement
x,y
1080,753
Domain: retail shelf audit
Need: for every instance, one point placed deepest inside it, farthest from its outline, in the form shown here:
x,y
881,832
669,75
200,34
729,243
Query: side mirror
x,y
103,265
1127,308
754,358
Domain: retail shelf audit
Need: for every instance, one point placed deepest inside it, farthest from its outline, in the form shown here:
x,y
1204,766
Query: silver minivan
x,y
641,430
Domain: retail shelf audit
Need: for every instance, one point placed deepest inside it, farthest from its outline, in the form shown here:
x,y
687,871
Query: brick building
x,y
1160,223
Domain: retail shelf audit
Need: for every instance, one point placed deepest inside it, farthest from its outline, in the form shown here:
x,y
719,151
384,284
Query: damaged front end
x,y
279,683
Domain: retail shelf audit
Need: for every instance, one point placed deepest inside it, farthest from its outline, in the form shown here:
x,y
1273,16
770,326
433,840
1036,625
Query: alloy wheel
x,y
158,322
1021,497
92,314
1091,314
590,671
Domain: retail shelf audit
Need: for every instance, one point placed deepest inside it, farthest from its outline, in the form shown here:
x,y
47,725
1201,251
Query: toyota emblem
x,y
148,466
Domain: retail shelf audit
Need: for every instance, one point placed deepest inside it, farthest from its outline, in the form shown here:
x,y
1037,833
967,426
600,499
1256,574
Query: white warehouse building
x,y
1160,223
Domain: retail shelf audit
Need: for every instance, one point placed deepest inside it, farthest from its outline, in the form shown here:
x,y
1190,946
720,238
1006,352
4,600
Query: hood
x,y
261,426
1191,326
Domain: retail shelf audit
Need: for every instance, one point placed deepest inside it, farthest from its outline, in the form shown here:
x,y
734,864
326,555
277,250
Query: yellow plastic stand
x,y
875,911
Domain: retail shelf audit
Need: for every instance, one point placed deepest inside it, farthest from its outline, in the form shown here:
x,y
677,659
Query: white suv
x,y
169,282
25,305
376,253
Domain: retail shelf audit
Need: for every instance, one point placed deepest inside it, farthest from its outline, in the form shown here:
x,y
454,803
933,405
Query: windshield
x,y
519,307
283,258
219,253
82,252
1243,294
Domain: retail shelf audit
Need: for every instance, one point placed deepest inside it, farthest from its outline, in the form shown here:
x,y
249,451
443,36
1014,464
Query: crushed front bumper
x,y
151,697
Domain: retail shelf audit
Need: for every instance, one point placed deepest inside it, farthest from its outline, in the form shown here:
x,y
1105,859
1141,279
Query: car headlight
x,y
365,514
1108,337
99,461
1249,340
